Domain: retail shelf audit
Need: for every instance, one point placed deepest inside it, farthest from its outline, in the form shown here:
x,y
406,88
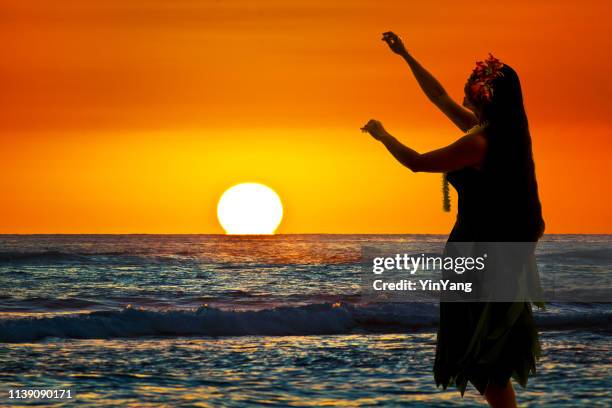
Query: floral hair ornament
x,y
480,83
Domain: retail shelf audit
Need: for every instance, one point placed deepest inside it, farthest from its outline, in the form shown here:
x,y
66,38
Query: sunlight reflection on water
x,y
340,370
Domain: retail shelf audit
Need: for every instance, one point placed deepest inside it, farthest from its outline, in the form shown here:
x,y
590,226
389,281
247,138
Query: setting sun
x,y
249,208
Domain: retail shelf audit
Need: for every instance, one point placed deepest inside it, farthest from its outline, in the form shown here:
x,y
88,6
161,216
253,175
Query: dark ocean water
x,y
219,320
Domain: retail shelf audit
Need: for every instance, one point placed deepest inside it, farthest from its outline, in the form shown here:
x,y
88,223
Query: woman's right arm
x,y
468,151
463,118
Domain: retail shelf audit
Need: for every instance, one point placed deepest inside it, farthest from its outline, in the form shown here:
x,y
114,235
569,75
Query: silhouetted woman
x,y
492,169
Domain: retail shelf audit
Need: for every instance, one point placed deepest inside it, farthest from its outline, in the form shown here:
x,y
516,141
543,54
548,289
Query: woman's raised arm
x,y
463,118
467,151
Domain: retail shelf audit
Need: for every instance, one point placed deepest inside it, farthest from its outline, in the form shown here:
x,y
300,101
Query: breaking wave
x,y
314,319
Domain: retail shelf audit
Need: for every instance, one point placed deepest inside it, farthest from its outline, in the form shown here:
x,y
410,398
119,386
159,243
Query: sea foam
x,y
317,319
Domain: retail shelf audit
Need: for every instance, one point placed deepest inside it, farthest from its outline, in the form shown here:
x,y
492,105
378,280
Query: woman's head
x,y
493,92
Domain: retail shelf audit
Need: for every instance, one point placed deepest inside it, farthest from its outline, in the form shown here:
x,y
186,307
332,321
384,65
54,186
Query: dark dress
x,y
484,342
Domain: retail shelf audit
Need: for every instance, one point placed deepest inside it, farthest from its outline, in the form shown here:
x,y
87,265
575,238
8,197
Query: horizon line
x,y
268,235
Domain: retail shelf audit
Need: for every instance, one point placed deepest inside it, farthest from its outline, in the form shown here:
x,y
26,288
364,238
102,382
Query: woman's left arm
x,y
466,151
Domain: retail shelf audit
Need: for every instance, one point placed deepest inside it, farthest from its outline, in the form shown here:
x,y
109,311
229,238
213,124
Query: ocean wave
x,y
151,258
209,321
62,257
41,256
598,253
588,254
299,320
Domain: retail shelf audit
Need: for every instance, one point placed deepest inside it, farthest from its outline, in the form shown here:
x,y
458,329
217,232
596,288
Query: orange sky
x,y
121,116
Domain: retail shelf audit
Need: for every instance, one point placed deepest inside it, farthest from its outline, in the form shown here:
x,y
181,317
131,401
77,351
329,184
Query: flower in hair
x,y
480,84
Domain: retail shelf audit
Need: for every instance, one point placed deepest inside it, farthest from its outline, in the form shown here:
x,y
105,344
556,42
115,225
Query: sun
x,y
250,208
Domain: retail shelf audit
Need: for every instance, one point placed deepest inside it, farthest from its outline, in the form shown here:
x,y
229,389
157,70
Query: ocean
x,y
211,320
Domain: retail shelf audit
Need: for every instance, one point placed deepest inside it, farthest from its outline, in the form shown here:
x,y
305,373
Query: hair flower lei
x,y
480,82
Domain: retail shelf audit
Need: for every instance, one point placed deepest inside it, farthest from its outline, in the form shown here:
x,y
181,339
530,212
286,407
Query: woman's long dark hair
x,y
509,159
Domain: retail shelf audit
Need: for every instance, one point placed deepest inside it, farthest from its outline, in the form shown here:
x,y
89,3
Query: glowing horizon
x,y
134,117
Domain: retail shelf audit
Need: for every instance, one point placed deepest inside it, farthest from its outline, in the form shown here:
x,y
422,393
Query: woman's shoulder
x,y
475,139
479,128
477,136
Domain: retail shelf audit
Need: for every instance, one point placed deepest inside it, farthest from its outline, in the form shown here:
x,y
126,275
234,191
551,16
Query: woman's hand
x,y
376,129
394,42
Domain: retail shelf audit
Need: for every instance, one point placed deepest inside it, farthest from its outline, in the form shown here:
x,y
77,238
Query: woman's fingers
x,y
393,41
372,127
368,126
390,36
